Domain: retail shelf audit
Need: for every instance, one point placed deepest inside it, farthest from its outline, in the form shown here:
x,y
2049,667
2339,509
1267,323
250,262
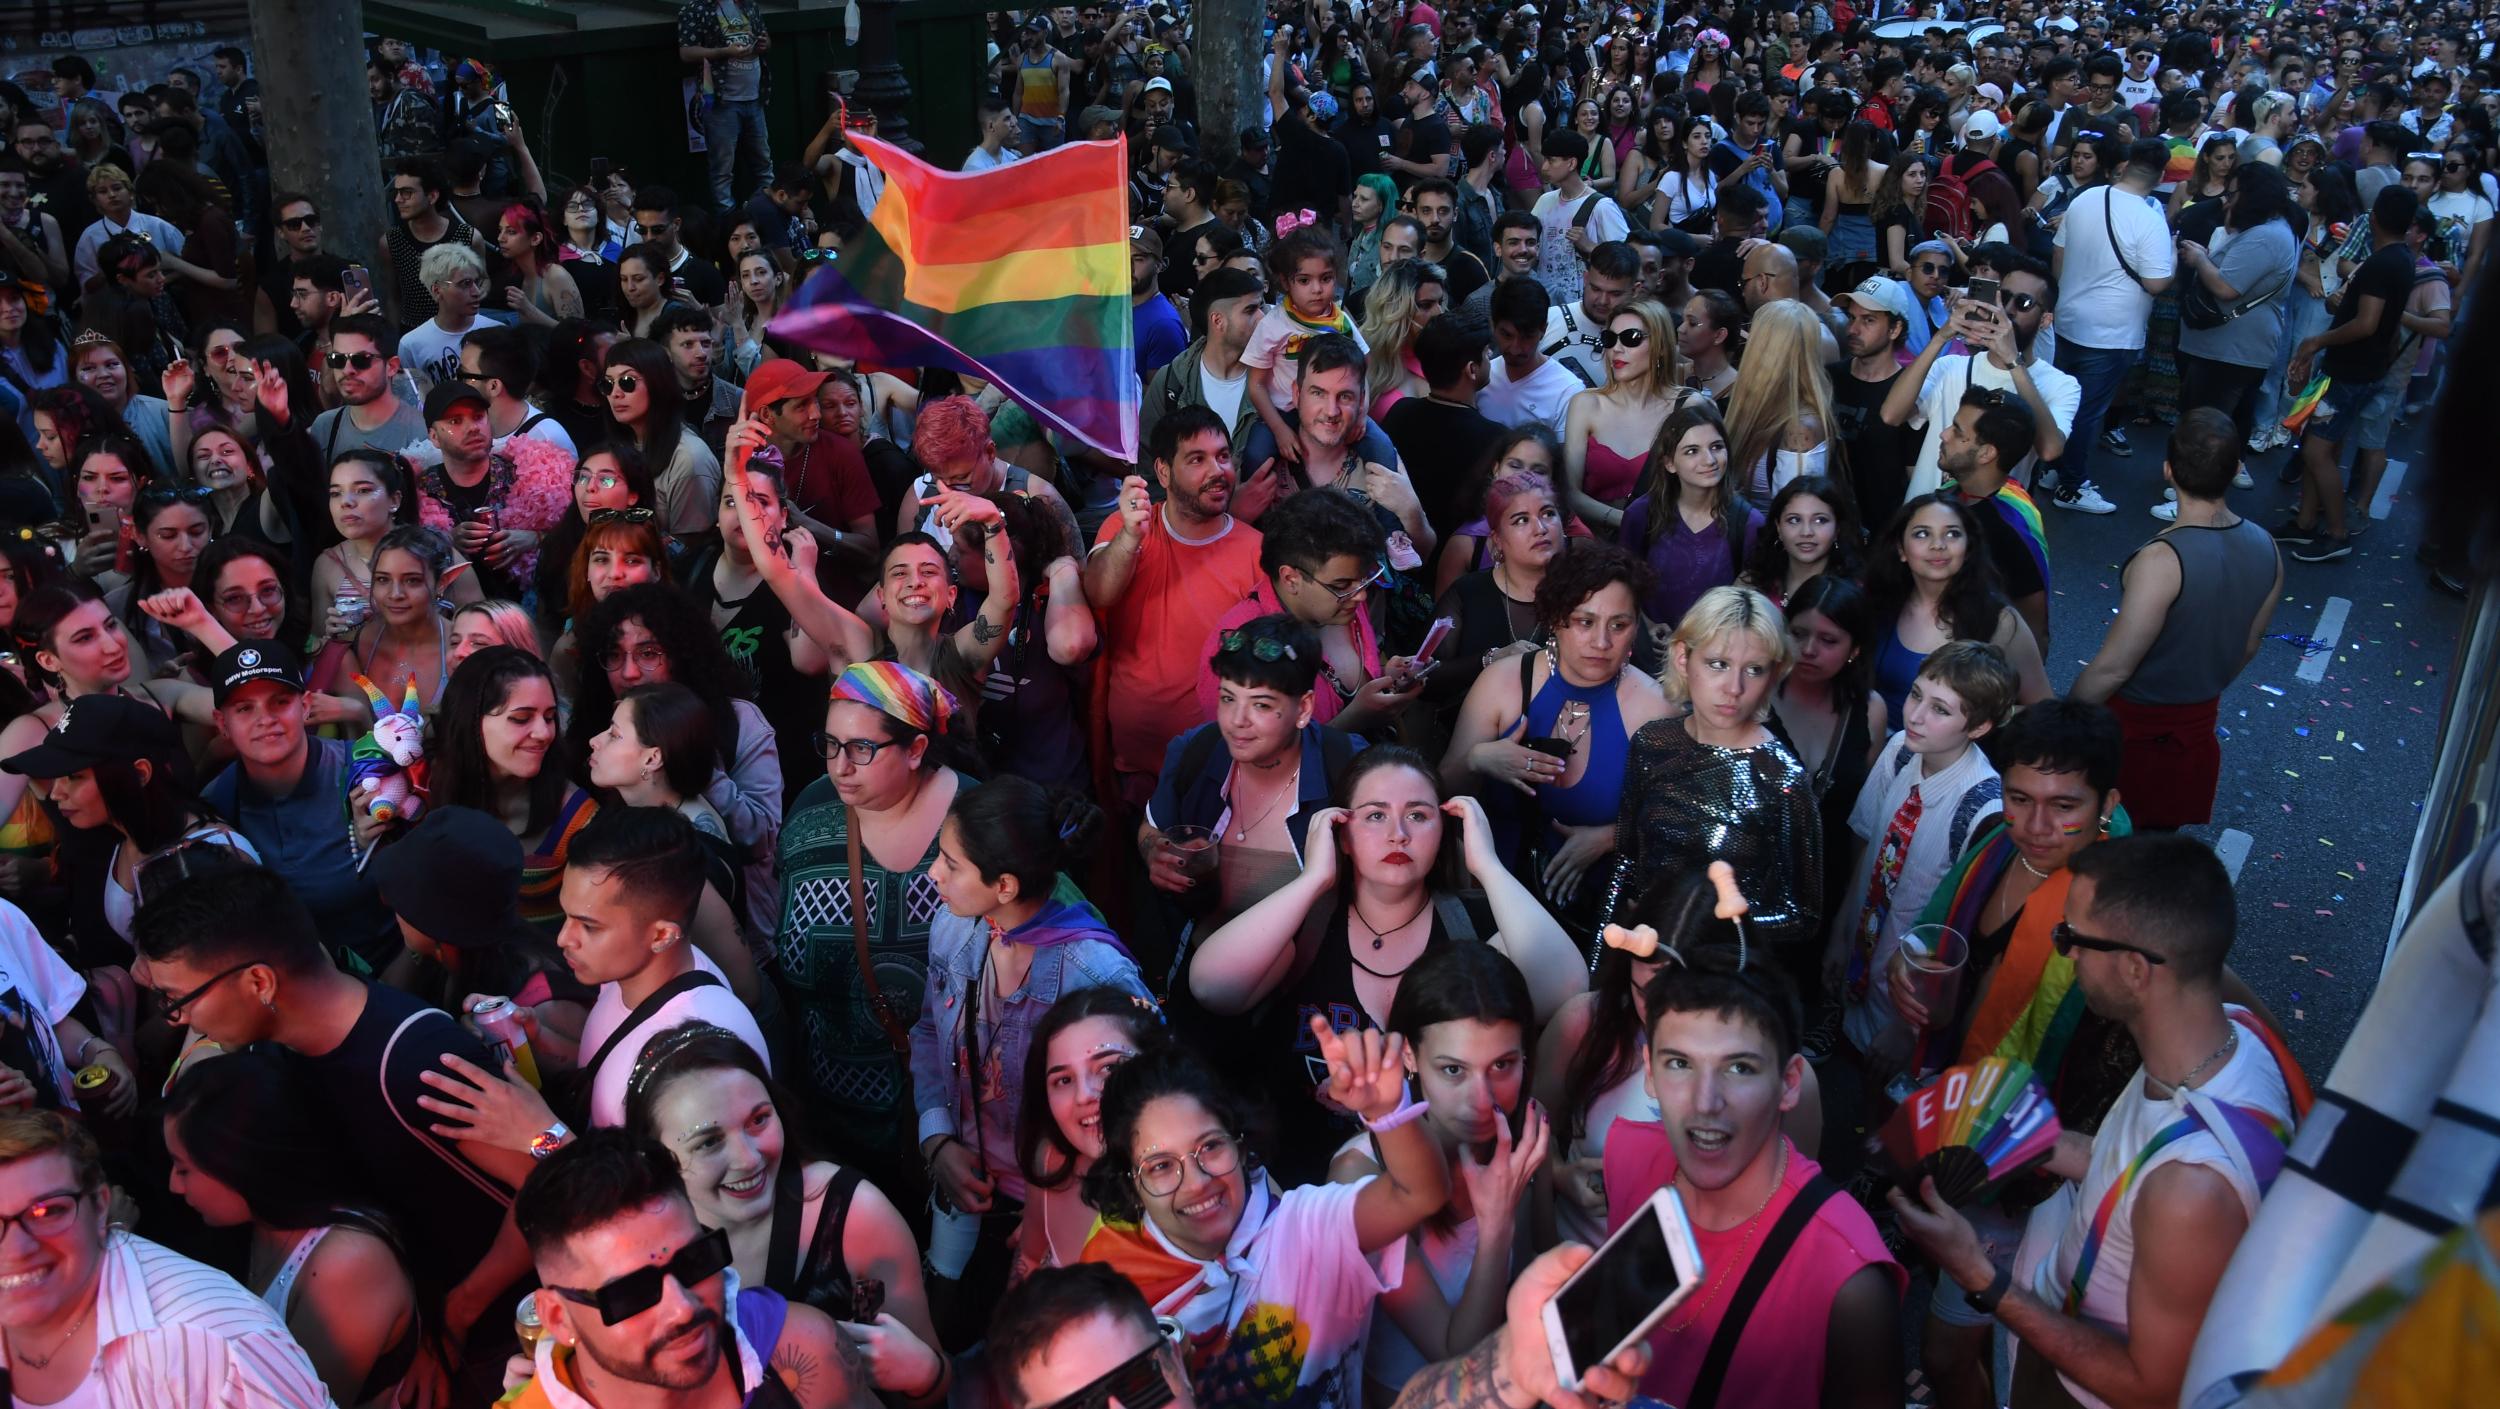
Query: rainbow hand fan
x,y
1970,1129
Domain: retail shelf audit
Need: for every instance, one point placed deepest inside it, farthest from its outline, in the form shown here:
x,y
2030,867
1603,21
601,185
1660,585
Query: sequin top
x,y
1687,804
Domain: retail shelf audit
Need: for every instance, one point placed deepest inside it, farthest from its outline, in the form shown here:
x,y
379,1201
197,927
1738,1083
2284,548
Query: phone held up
x,y
1624,1290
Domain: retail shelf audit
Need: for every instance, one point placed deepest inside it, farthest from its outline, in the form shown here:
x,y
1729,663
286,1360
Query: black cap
x,y
1254,139
246,662
97,729
450,392
1170,139
456,877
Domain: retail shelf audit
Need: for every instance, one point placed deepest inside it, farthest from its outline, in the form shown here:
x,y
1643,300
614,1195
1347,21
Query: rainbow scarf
x,y
2014,504
2030,1009
1308,328
1018,275
2254,1139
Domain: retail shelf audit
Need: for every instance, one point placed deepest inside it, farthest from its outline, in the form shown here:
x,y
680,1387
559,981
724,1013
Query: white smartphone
x,y
1643,1272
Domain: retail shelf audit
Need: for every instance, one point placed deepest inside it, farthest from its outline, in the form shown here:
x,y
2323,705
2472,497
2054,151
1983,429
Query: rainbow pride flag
x,y
1018,275
2306,403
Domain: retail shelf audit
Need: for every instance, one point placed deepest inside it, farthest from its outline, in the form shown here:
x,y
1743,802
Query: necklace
x,y
1242,832
2036,873
2230,1040
42,1361
1380,935
1710,1294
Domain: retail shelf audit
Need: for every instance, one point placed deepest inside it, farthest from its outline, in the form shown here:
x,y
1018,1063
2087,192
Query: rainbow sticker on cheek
x,y
2074,829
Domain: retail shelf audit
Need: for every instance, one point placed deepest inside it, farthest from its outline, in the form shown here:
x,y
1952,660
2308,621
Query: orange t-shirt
x,y
1155,635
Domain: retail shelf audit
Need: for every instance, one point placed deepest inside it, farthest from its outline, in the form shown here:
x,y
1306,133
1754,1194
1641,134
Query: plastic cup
x,y
1195,846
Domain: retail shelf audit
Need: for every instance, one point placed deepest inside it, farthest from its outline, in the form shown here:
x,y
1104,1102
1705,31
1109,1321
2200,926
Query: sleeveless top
x,y
819,1277
1598,796
2228,574
1896,668
1608,476
1040,84
393,1365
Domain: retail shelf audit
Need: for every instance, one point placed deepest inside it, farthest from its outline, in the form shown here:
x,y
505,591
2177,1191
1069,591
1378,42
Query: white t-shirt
x,y
1544,398
37,990
538,425
1224,393
712,1003
1954,803
166,238
2458,213
1940,400
979,159
2098,305
1558,263
2136,93
430,353
1267,352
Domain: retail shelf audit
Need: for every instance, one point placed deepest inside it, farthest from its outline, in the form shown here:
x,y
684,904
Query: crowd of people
x,y
557,842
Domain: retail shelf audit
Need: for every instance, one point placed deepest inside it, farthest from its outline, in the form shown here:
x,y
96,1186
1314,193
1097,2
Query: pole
x,y
883,85
310,58
1227,48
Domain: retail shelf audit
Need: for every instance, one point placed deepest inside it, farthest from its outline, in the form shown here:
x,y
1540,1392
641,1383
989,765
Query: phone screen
x,y
353,280
1615,1291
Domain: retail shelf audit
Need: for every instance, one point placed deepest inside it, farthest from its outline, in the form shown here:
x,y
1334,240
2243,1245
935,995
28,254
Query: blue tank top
x,y
1896,668
1598,796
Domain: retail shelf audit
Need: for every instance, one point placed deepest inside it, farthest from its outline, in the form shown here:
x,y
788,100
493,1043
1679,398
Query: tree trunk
x,y
1230,47
310,58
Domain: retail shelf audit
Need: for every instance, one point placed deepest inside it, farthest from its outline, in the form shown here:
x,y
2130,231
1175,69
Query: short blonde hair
x,y
1723,612
32,1134
105,173
444,262
507,620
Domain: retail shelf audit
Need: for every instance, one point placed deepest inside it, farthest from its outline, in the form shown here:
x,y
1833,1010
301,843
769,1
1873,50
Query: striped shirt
x,y
170,1331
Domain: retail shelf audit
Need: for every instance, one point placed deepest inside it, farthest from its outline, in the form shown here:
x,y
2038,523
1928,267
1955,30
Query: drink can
x,y
525,1324
499,1022
351,605
93,1078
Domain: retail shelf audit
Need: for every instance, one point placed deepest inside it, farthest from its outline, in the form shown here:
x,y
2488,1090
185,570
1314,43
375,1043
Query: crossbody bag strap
x,y
648,1009
1767,1258
896,1034
2109,227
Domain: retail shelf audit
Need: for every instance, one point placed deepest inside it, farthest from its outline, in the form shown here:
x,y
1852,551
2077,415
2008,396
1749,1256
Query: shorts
x,y
2365,412
2000,1233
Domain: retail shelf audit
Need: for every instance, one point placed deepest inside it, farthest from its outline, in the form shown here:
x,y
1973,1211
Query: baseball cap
x,y
449,393
97,729
1678,244
777,379
456,877
1254,139
249,662
1982,126
1931,247
1992,93
1881,295
1143,237
1170,139
1096,116
1158,85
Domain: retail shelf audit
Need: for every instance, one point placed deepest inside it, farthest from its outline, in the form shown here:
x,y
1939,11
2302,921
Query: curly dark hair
x,y
1165,1070
1580,571
696,660
1973,603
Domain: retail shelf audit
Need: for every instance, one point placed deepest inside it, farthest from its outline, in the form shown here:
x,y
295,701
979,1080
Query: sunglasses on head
x,y
636,514
1629,337
1266,648
627,1297
625,382
361,361
175,494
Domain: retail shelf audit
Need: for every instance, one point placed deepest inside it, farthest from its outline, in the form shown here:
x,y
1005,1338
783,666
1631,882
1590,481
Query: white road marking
x,y
2329,633
2385,500
2233,847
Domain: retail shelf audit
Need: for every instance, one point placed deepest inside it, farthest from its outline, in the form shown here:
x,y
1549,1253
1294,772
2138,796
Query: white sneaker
x,y
2166,512
2086,499
2241,479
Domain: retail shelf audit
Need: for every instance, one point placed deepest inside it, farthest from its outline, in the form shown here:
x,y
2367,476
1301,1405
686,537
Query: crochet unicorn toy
x,y
386,768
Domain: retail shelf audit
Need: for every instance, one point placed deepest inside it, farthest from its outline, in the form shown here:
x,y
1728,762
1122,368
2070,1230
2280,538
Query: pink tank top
x,y
1779,1360
1608,476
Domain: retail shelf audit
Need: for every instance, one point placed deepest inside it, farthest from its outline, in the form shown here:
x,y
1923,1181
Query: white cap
x,y
1158,85
1981,126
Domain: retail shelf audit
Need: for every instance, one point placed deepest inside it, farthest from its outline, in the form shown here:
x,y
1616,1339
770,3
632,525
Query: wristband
x,y
1408,1112
1985,1300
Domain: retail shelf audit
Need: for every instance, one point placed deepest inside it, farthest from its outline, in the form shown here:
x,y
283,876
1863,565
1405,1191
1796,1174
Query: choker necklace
x,y
1379,935
2036,872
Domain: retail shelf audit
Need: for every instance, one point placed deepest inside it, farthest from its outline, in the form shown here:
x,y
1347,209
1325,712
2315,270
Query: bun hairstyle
x,y
1710,967
1013,826
1045,1156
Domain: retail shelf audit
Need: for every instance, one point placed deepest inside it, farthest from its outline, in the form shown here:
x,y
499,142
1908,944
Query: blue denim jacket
x,y
942,1091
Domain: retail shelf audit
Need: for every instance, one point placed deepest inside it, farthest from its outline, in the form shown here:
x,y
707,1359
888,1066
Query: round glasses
x,y
1216,1156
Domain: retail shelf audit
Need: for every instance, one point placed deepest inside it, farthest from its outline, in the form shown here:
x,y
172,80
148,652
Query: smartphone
x,y
106,517
599,168
353,280
1643,1272
1984,293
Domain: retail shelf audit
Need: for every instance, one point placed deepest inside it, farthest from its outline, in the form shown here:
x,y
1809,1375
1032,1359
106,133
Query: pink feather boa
x,y
542,489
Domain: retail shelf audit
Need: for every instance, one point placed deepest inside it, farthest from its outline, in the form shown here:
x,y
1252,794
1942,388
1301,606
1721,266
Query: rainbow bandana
x,y
1306,329
898,692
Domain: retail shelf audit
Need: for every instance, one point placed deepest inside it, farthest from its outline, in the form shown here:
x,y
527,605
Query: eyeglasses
x,y
55,1212
636,514
465,375
2067,942
638,1291
468,282
174,1007
647,656
361,361
238,601
1266,648
1216,1156
223,353
861,752
605,479
300,222
1379,577
1629,337
625,382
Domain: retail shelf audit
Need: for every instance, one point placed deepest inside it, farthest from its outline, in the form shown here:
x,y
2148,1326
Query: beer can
x,y
499,1022
93,1078
525,1324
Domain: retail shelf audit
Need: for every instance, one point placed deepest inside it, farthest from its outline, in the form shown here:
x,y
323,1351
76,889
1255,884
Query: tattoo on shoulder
x,y
984,631
1471,1381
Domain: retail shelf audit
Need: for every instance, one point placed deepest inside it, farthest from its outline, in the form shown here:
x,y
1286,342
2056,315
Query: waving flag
x,y
1018,275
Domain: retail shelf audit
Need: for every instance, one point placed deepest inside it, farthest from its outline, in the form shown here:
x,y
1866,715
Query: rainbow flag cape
x,y
2307,402
1018,275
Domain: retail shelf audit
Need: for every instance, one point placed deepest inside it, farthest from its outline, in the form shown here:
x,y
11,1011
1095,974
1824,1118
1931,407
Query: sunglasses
x,y
176,494
361,361
636,514
1933,270
223,353
1266,648
1137,1383
638,1291
2068,941
1629,337
300,222
625,382
650,232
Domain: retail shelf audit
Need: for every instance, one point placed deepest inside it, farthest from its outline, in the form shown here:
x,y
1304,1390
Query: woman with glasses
x,y
645,410
1244,1261
496,747
1075,1047
808,1228
867,829
1016,934
248,1151
243,584
651,634
538,288
1607,430
587,234
608,478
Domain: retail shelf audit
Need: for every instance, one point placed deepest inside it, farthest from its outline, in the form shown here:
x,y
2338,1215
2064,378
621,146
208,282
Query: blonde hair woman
x,y
1608,430
491,622
1406,296
1779,416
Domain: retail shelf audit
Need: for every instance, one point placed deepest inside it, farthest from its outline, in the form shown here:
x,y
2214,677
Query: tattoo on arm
x,y
812,1377
1474,1380
984,630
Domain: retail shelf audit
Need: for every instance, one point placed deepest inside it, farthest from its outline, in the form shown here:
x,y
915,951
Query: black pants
x,y
2225,386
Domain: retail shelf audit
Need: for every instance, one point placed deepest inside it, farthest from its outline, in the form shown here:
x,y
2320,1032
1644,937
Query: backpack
x,y
1948,210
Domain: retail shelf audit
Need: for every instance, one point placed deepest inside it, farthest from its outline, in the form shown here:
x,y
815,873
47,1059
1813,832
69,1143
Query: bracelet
x,y
1985,1300
1407,1113
84,1044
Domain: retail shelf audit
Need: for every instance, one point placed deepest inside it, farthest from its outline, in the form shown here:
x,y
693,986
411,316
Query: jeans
x,y
2227,387
2303,317
2101,371
732,130
1041,133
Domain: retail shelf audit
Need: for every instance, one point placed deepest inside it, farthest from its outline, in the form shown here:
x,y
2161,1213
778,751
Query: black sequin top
x,y
1687,804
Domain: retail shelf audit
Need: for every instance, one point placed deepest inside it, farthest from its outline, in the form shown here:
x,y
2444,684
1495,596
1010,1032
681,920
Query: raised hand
x,y
178,607
1136,502
1494,1186
1366,1068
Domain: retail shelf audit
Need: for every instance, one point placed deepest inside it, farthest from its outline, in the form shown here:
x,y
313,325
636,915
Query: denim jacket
x,y
942,1091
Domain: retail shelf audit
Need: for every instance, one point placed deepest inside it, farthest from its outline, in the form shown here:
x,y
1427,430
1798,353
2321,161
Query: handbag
x,y
897,1032
2200,308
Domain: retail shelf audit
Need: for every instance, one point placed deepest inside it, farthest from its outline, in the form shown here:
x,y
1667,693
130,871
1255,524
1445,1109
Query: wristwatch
x,y
1985,1299
546,1142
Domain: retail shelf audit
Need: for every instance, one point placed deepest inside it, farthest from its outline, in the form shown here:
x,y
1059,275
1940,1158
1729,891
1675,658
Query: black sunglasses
x,y
1629,337
638,1291
301,222
2067,942
176,494
1137,1382
637,514
625,382
358,360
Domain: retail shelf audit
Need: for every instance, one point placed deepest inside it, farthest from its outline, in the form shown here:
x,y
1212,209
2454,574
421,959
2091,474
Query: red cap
x,y
779,379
